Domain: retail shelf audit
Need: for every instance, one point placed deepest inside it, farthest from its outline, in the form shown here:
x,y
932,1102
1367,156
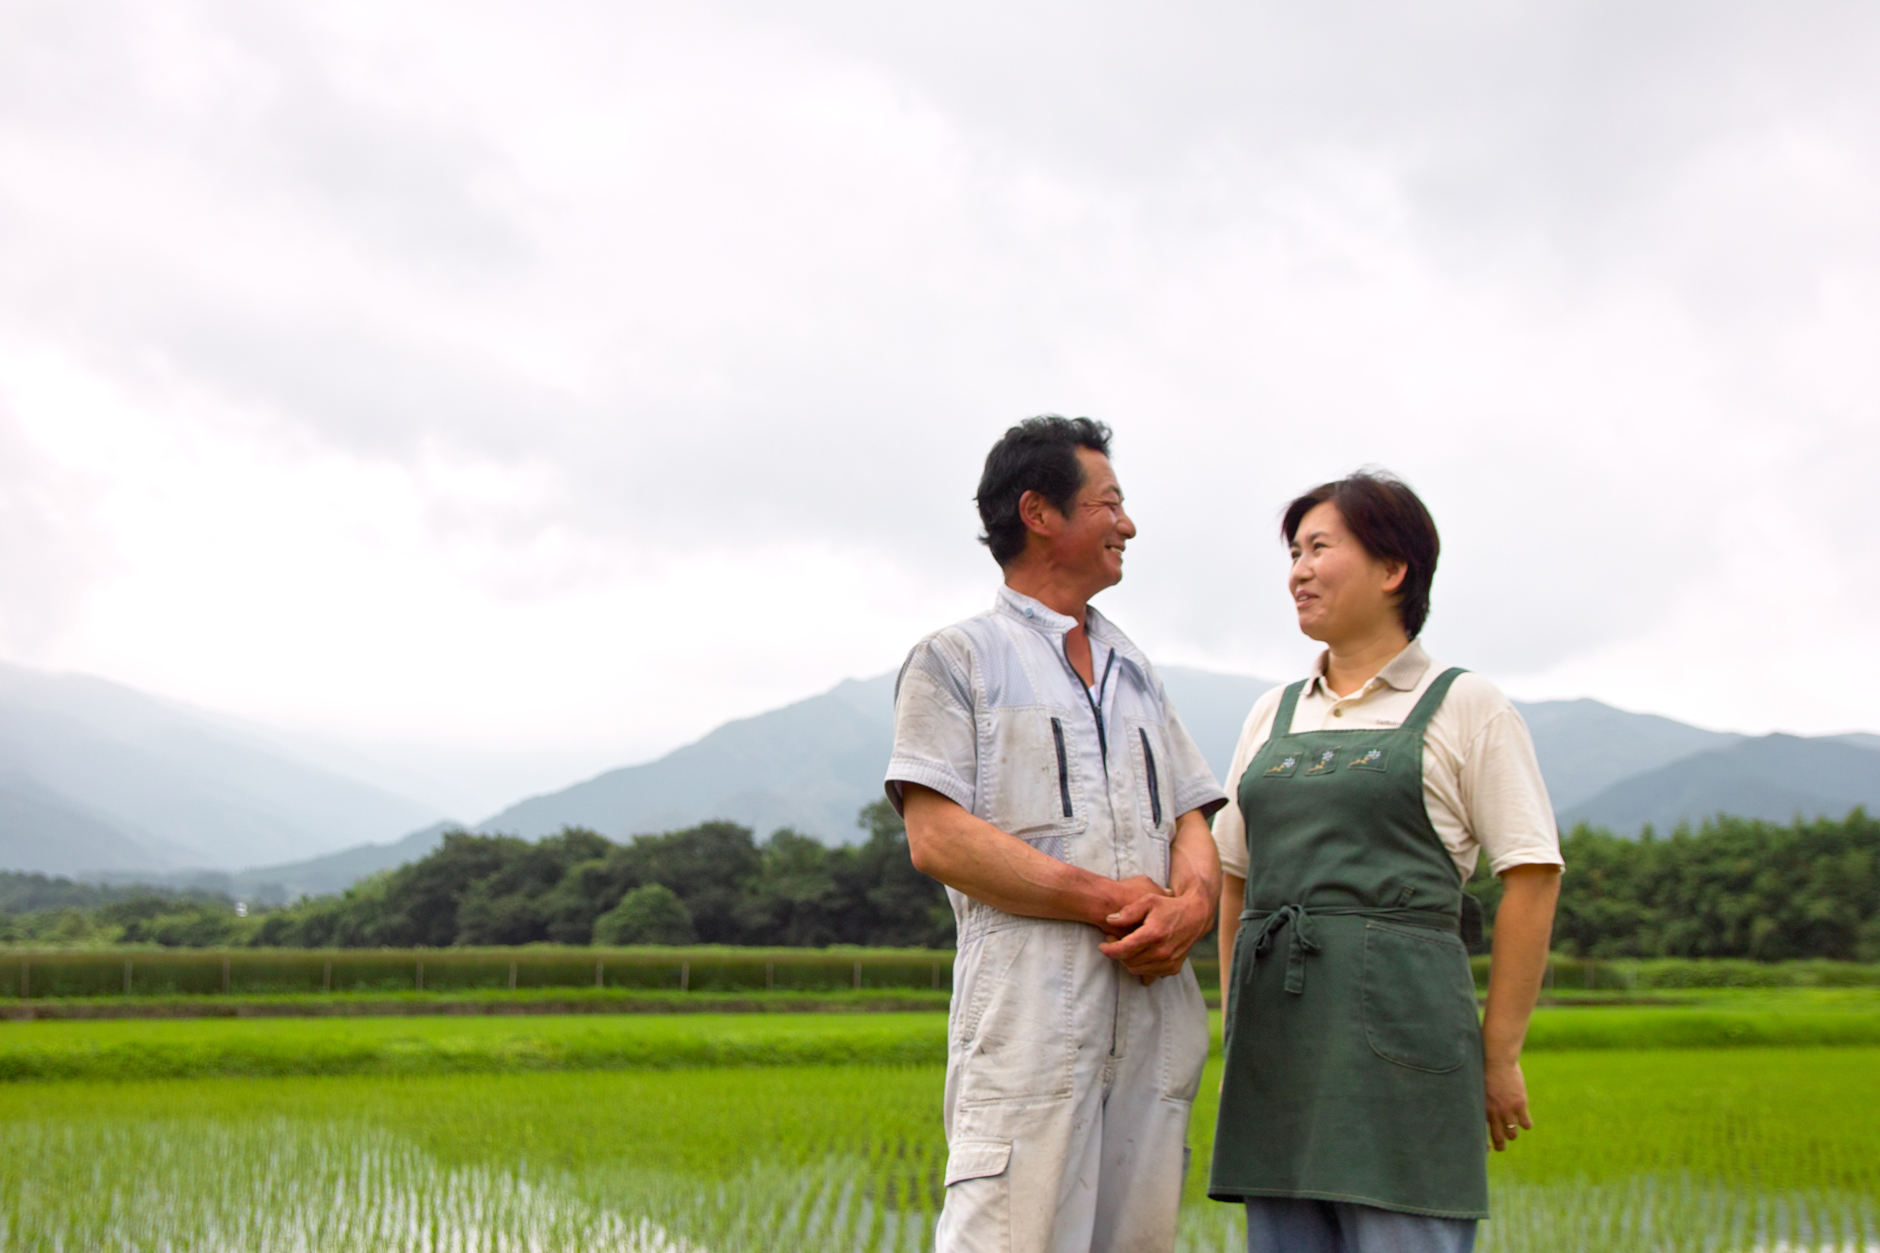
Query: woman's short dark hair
x,y
1390,522
1038,455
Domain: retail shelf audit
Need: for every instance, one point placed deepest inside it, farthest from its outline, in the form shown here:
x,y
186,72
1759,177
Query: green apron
x,y
1354,1055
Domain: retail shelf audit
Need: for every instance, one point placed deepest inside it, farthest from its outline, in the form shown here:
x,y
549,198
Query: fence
x,y
170,972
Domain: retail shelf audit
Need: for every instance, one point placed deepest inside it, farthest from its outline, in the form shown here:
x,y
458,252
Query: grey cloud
x,y
1233,196
51,546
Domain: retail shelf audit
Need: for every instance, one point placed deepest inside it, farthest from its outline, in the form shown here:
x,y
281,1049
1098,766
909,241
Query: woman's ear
x,y
1393,575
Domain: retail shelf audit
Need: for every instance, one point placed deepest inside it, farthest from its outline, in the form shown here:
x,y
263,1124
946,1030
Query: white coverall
x,y
1068,1082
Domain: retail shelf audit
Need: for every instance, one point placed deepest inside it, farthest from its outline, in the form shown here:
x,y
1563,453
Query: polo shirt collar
x,y
1402,672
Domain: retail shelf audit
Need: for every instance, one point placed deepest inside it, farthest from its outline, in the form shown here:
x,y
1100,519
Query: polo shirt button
x,y
1338,713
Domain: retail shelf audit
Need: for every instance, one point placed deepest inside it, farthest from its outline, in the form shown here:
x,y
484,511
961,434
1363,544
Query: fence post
x,y
421,974
597,974
770,976
326,976
685,976
512,976
127,976
1592,981
858,975
26,978
936,976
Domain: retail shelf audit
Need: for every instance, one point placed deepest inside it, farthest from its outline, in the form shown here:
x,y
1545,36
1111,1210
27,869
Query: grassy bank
x,y
472,1003
499,1043
197,1048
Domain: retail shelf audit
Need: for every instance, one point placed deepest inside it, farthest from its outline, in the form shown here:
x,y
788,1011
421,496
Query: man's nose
x,y
1125,525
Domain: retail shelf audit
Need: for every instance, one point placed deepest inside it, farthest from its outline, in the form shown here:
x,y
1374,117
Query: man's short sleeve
x,y
936,739
1195,784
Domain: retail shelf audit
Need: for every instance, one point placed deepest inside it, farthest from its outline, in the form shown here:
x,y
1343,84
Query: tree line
x,y
710,884
1729,888
1733,887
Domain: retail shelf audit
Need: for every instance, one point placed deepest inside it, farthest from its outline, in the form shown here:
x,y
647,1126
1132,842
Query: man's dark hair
x,y
1391,523
1038,455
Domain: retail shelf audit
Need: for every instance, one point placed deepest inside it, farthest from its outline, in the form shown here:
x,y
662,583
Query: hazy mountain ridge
x,y
810,765
1772,777
101,776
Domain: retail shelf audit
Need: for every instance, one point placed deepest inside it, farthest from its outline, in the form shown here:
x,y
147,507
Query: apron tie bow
x,y
1300,944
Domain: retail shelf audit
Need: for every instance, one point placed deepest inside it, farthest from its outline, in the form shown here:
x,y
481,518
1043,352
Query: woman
x,y
1357,1075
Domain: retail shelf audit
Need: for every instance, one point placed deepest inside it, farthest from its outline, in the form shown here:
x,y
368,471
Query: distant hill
x,y
44,831
1774,777
1585,747
100,776
320,876
1213,707
811,765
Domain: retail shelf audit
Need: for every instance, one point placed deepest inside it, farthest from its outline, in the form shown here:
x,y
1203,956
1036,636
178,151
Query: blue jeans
x,y
1297,1225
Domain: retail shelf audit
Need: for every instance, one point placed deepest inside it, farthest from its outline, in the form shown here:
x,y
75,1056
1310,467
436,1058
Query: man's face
x,y
1090,544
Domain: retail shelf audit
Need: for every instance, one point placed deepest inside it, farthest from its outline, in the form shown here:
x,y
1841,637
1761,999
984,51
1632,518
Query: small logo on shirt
x,y
1368,759
1323,762
1282,768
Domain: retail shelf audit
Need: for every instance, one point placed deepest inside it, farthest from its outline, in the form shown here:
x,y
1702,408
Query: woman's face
x,y
1340,591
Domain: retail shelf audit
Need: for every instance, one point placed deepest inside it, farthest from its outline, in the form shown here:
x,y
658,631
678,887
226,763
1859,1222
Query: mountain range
x,y
97,778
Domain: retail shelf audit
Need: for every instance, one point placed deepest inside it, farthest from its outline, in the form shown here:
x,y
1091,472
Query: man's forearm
x,y
1194,864
972,856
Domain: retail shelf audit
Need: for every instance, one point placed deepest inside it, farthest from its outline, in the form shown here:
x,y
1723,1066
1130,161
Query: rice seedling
x,y
1722,1150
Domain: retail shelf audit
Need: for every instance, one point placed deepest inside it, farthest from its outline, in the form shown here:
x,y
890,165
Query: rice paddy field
x,y
1734,1121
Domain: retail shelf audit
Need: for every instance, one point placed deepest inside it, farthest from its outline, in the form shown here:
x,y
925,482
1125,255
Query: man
x,y
1047,782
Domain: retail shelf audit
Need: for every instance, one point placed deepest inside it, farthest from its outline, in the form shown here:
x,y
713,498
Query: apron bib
x,y
1354,1054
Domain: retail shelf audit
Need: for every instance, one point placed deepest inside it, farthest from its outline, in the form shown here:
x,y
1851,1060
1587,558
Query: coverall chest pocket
x,y
1037,794
1155,814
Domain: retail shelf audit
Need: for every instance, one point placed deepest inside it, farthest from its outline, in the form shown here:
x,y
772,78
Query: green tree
x,y
652,914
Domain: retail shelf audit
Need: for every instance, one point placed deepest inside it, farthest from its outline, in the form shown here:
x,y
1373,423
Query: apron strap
x,y
1295,951
1283,716
1419,719
1272,922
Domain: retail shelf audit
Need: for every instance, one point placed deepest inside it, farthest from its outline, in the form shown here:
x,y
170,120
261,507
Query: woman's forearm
x,y
1524,926
1233,893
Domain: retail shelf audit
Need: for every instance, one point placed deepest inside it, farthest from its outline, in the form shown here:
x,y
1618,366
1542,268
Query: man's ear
x,y
1039,515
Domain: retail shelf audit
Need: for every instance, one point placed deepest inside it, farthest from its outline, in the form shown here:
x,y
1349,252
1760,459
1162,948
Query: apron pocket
x,y
1419,1002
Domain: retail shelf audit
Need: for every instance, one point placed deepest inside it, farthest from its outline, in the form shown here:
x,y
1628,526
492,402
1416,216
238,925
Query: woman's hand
x,y
1507,1104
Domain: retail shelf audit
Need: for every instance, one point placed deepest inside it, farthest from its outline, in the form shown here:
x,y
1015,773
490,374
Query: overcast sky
x,y
498,393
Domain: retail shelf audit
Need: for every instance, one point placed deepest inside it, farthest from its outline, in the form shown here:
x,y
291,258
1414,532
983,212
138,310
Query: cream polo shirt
x,y
1482,786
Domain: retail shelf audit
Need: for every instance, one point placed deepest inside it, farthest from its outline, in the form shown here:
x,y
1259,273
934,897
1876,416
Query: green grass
x,y
497,1043
196,1048
471,1001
